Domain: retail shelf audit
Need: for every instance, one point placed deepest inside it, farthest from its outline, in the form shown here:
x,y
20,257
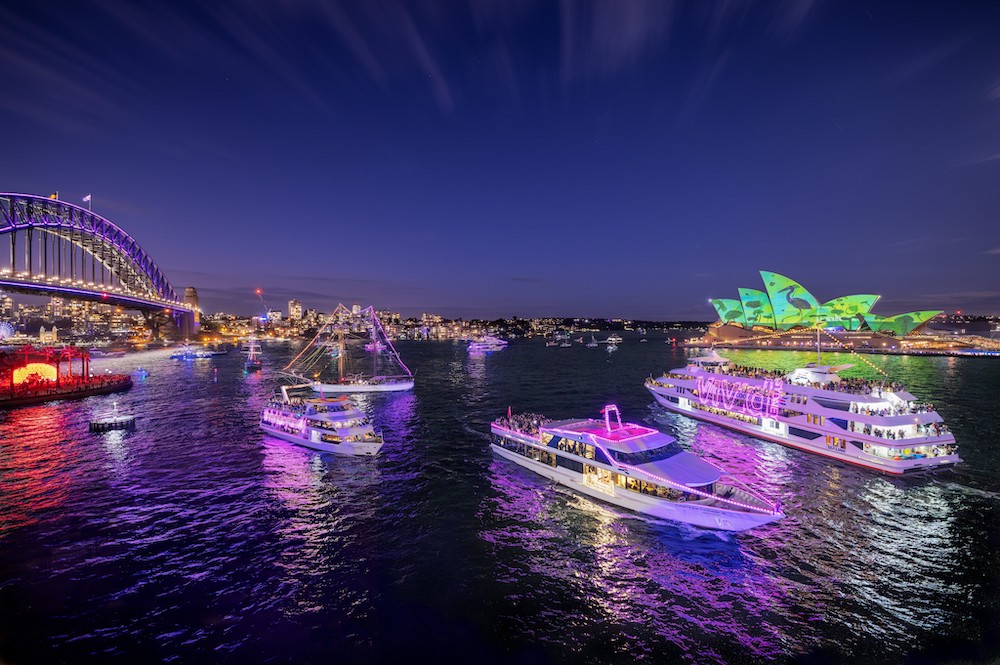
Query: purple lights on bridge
x,y
758,401
88,234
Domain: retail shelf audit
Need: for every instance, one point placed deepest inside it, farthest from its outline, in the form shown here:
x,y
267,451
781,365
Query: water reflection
x,y
37,453
323,509
653,581
876,547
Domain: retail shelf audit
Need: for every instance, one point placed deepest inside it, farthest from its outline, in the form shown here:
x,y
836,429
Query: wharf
x,y
116,422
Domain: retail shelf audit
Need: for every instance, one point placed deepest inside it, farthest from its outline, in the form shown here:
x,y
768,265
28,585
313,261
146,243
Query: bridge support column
x,y
162,325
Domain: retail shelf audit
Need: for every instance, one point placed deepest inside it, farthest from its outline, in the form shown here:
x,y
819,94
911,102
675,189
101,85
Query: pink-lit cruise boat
x,y
631,466
877,425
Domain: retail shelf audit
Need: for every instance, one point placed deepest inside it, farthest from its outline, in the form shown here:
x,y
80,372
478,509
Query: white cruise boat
x,y
614,339
871,424
486,344
631,466
329,425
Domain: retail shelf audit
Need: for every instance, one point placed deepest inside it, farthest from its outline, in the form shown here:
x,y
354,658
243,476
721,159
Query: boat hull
x,y
889,466
362,448
690,512
341,388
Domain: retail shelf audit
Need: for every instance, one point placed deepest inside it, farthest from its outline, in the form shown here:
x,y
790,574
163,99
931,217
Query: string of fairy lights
x,y
860,357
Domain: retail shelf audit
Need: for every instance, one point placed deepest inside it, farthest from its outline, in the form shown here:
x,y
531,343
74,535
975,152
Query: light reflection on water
x,y
197,538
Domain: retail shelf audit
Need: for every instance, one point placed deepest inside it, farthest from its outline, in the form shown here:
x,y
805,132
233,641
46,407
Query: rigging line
x,y
860,357
307,346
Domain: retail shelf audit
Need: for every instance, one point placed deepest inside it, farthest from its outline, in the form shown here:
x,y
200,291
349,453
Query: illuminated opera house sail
x,y
784,304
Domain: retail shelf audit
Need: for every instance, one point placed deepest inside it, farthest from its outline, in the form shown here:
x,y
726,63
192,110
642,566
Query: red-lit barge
x,y
33,375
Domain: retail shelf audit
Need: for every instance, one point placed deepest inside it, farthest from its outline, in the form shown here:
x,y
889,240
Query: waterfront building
x,y
294,310
785,305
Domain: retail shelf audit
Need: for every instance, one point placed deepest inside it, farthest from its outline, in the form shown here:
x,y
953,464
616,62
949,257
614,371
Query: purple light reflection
x,y
318,535
653,581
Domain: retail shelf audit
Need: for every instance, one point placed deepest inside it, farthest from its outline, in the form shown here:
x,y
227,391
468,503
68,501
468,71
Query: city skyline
x,y
489,160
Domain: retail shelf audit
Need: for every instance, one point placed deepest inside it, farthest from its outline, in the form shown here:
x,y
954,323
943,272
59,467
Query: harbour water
x,y
194,538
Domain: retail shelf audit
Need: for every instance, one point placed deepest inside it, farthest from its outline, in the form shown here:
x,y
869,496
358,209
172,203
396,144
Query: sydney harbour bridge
x,y
60,249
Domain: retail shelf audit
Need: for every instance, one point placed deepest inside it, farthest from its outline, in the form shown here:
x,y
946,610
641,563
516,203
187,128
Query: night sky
x,y
625,158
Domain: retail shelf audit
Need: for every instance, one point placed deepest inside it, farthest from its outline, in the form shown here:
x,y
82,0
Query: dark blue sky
x,y
506,157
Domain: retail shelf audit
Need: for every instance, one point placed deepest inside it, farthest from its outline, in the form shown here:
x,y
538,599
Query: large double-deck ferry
x,y
331,425
631,466
877,425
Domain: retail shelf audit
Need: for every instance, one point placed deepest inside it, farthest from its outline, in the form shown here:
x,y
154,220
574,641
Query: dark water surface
x,y
197,539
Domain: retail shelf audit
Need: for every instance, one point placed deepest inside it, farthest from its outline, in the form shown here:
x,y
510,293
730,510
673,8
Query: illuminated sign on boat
x,y
742,397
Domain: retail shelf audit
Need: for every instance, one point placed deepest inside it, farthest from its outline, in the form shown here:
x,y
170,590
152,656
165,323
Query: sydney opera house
x,y
785,305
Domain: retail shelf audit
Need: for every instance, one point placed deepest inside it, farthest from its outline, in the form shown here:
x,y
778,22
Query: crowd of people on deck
x,y
38,385
909,432
526,423
891,410
845,385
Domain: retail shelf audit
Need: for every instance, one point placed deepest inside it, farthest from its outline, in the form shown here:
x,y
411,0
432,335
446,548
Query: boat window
x,y
832,403
647,456
804,434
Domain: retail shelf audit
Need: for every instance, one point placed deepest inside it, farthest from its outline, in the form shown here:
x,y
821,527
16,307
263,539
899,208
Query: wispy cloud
x,y
995,250
706,79
919,63
607,36
791,17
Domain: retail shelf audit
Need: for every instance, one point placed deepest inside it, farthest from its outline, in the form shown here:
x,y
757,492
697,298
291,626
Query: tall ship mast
x,y
351,353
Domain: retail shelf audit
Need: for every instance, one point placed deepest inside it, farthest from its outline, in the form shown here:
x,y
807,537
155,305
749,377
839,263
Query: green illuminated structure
x,y
785,304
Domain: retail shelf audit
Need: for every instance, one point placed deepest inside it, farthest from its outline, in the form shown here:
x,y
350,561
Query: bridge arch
x,y
52,242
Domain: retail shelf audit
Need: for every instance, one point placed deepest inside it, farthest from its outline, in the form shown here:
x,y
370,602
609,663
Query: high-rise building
x,y
274,315
355,309
55,308
6,307
294,310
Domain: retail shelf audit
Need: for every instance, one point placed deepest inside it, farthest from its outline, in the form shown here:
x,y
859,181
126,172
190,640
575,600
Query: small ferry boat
x,y
877,425
631,466
614,339
330,425
187,352
486,344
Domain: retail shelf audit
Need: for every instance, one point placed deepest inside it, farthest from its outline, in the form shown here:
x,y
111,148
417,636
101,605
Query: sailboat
x,y
337,344
592,344
254,359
